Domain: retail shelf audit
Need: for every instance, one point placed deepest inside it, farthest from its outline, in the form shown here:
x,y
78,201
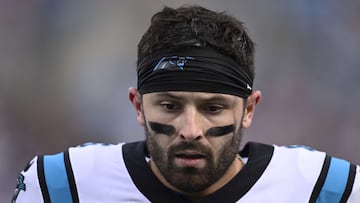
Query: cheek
x,y
220,144
159,141
157,146
163,141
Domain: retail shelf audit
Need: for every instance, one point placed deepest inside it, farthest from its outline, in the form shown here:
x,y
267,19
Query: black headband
x,y
196,69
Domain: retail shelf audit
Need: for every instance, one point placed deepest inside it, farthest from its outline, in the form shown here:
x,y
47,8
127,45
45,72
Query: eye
x,y
214,108
169,106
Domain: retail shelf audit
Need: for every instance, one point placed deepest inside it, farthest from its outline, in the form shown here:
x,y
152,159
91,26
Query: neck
x,y
234,169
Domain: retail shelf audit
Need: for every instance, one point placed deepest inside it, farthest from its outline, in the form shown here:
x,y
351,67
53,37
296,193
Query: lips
x,y
190,155
190,158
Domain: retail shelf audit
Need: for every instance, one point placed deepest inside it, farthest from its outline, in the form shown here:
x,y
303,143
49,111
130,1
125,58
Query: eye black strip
x,y
169,129
220,131
162,128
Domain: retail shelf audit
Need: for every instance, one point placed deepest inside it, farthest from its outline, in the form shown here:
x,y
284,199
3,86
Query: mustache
x,y
170,129
189,145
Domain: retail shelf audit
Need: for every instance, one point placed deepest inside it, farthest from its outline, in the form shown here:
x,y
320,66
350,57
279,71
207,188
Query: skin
x,y
187,158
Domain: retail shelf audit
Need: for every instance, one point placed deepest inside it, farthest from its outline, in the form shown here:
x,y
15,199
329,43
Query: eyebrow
x,y
208,98
168,95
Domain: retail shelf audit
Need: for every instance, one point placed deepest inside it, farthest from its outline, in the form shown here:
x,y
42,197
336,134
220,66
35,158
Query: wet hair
x,y
193,25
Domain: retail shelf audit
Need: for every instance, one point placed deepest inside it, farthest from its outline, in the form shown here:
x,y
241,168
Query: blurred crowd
x,y
65,68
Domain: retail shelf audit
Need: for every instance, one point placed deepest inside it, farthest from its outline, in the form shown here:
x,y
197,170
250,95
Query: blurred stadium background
x,y
65,68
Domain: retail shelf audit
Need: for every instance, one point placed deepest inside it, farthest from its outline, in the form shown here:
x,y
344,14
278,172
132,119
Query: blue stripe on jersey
x,y
56,178
335,182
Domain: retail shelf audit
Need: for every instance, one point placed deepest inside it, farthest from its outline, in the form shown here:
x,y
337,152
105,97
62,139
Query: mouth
x,y
190,155
190,158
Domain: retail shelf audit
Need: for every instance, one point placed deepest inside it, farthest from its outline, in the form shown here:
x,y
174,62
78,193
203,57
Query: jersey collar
x,y
259,156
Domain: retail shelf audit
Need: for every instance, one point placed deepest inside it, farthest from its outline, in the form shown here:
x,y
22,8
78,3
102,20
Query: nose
x,y
191,125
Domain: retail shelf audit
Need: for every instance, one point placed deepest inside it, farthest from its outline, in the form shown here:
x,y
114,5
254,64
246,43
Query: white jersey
x,y
120,173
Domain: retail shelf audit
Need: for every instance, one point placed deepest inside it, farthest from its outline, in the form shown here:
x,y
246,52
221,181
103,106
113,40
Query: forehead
x,y
185,95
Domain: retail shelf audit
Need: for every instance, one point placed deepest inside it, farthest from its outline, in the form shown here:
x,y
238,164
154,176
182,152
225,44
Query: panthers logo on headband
x,y
172,63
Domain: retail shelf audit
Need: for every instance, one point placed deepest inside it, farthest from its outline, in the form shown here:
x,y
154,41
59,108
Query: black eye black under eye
x,y
162,128
220,131
169,129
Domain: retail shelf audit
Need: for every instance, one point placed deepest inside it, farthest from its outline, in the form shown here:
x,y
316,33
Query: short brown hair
x,y
193,25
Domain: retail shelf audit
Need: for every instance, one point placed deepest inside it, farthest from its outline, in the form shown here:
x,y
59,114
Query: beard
x,y
191,179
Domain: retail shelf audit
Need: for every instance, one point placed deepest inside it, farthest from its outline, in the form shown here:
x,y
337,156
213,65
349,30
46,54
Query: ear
x,y
135,99
251,103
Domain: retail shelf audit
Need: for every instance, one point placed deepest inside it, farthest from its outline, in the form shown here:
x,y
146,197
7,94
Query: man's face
x,y
192,137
